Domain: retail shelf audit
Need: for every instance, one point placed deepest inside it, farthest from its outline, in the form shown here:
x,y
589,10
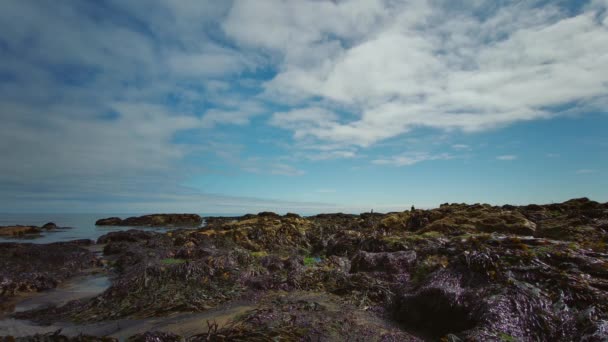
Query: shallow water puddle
x,y
20,328
77,288
184,324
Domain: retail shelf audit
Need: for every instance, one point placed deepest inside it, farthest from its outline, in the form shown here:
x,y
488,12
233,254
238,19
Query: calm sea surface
x,y
82,226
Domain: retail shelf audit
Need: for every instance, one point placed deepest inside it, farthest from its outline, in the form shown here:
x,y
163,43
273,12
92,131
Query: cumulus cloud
x,y
93,97
402,65
239,116
102,98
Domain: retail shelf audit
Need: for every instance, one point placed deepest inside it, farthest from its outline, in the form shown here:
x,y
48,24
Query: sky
x,y
305,106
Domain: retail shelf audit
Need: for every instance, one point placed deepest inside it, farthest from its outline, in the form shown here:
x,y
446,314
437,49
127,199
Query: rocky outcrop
x,y
132,235
481,218
154,220
19,230
49,226
455,273
28,267
110,221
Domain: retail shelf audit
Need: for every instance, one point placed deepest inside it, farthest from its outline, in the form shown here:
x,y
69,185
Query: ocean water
x,y
81,226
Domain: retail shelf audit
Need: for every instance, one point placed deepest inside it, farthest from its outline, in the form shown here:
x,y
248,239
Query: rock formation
x,y
455,273
154,220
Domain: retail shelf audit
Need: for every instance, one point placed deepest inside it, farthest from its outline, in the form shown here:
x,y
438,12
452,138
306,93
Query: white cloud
x,y
285,170
402,65
461,147
93,107
96,106
234,117
301,120
585,171
213,63
507,157
336,154
410,159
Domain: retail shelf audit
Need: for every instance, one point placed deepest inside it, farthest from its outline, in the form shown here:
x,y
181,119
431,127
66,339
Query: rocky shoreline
x,y
455,273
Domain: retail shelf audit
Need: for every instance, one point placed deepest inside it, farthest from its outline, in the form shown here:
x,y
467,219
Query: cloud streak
x,y
507,157
410,159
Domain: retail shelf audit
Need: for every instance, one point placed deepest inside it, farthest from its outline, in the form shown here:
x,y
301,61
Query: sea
x,y
77,226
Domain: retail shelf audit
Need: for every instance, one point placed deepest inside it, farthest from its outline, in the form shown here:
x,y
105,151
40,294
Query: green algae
x,y
173,261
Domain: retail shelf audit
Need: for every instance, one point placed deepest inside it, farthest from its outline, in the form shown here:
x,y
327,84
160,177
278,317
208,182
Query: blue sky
x,y
306,106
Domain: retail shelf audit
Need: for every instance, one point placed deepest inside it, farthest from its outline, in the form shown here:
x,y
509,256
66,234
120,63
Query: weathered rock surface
x,y
132,235
455,273
28,267
396,262
154,220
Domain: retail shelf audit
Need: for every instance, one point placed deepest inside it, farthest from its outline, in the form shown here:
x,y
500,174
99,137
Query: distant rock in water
x,y
154,220
49,226
19,230
110,221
